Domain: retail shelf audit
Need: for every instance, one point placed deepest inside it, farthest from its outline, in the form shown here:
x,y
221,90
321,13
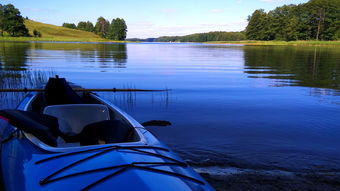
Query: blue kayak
x,y
59,139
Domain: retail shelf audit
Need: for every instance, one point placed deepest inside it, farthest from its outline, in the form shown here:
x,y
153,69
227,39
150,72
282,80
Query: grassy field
x,y
279,43
56,33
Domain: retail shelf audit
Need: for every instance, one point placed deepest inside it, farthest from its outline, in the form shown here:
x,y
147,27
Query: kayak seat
x,y
44,127
58,91
72,118
106,131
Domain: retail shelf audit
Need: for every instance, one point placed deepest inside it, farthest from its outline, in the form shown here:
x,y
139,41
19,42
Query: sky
x,y
151,18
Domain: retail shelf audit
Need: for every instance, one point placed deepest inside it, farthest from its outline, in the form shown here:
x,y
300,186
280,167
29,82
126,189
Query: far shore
x,y
51,39
280,43
245,42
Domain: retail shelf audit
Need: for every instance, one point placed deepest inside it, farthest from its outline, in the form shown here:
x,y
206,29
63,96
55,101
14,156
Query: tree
x,y
2,20
89,27
316,19
11,21
85,26
117,29
112,30
36,33
291,32
102,27
283,23
255,29
69,25
326,15
81,25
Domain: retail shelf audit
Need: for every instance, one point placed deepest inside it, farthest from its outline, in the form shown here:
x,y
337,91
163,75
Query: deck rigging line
x,y
123,167
100,148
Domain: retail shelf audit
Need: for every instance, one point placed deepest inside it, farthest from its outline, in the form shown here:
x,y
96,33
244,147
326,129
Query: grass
x,y
56,33
280,43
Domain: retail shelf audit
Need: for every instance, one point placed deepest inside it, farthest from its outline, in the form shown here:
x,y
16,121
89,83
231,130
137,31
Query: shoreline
x,y
235,179
245,42
49,39
279,43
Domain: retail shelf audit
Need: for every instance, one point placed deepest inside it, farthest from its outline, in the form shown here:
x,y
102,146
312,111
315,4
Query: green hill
x,y
56,33
52,31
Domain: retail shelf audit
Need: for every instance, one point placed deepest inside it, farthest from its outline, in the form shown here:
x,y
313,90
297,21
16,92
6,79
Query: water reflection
x,y
128,101
19,79
14,72
316,67
222,106
106,55
13,55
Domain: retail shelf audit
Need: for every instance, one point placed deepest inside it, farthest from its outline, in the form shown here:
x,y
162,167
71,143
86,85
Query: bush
x,y
36,33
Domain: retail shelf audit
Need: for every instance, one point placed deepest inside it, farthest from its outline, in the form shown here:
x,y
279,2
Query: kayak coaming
x,y
147,135
138,127
27,100
20,154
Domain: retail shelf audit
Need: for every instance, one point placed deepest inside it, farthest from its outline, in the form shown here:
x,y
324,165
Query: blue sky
x,y
151,18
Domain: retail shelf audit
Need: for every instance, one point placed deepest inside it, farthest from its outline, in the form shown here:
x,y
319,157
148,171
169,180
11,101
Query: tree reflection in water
x,y
315,67
14,73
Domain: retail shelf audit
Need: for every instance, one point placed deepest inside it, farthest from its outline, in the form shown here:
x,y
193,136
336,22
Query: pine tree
x,y
256,26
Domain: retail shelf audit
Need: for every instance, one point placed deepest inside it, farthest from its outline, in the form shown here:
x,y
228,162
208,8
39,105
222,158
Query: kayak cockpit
x,y
59,117
88,124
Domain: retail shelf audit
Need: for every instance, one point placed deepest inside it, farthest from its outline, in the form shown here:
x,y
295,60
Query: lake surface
x,y
265,107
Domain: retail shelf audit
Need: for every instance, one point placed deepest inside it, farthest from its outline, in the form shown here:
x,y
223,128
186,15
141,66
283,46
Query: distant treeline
x,y
11,21
116,30
204,37
198,37
314,20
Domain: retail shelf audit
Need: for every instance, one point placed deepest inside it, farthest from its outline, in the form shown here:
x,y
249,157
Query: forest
x,y
204,37
314,20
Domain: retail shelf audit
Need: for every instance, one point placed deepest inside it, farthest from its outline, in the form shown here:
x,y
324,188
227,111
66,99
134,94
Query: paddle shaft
x,y
85,90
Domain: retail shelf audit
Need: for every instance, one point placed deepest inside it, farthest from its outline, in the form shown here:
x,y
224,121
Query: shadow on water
x,y
315,67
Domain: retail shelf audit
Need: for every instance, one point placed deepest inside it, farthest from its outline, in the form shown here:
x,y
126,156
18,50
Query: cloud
x,y
168,11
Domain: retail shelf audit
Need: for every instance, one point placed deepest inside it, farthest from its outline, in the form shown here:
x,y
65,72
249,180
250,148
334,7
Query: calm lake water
x,y
268,107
